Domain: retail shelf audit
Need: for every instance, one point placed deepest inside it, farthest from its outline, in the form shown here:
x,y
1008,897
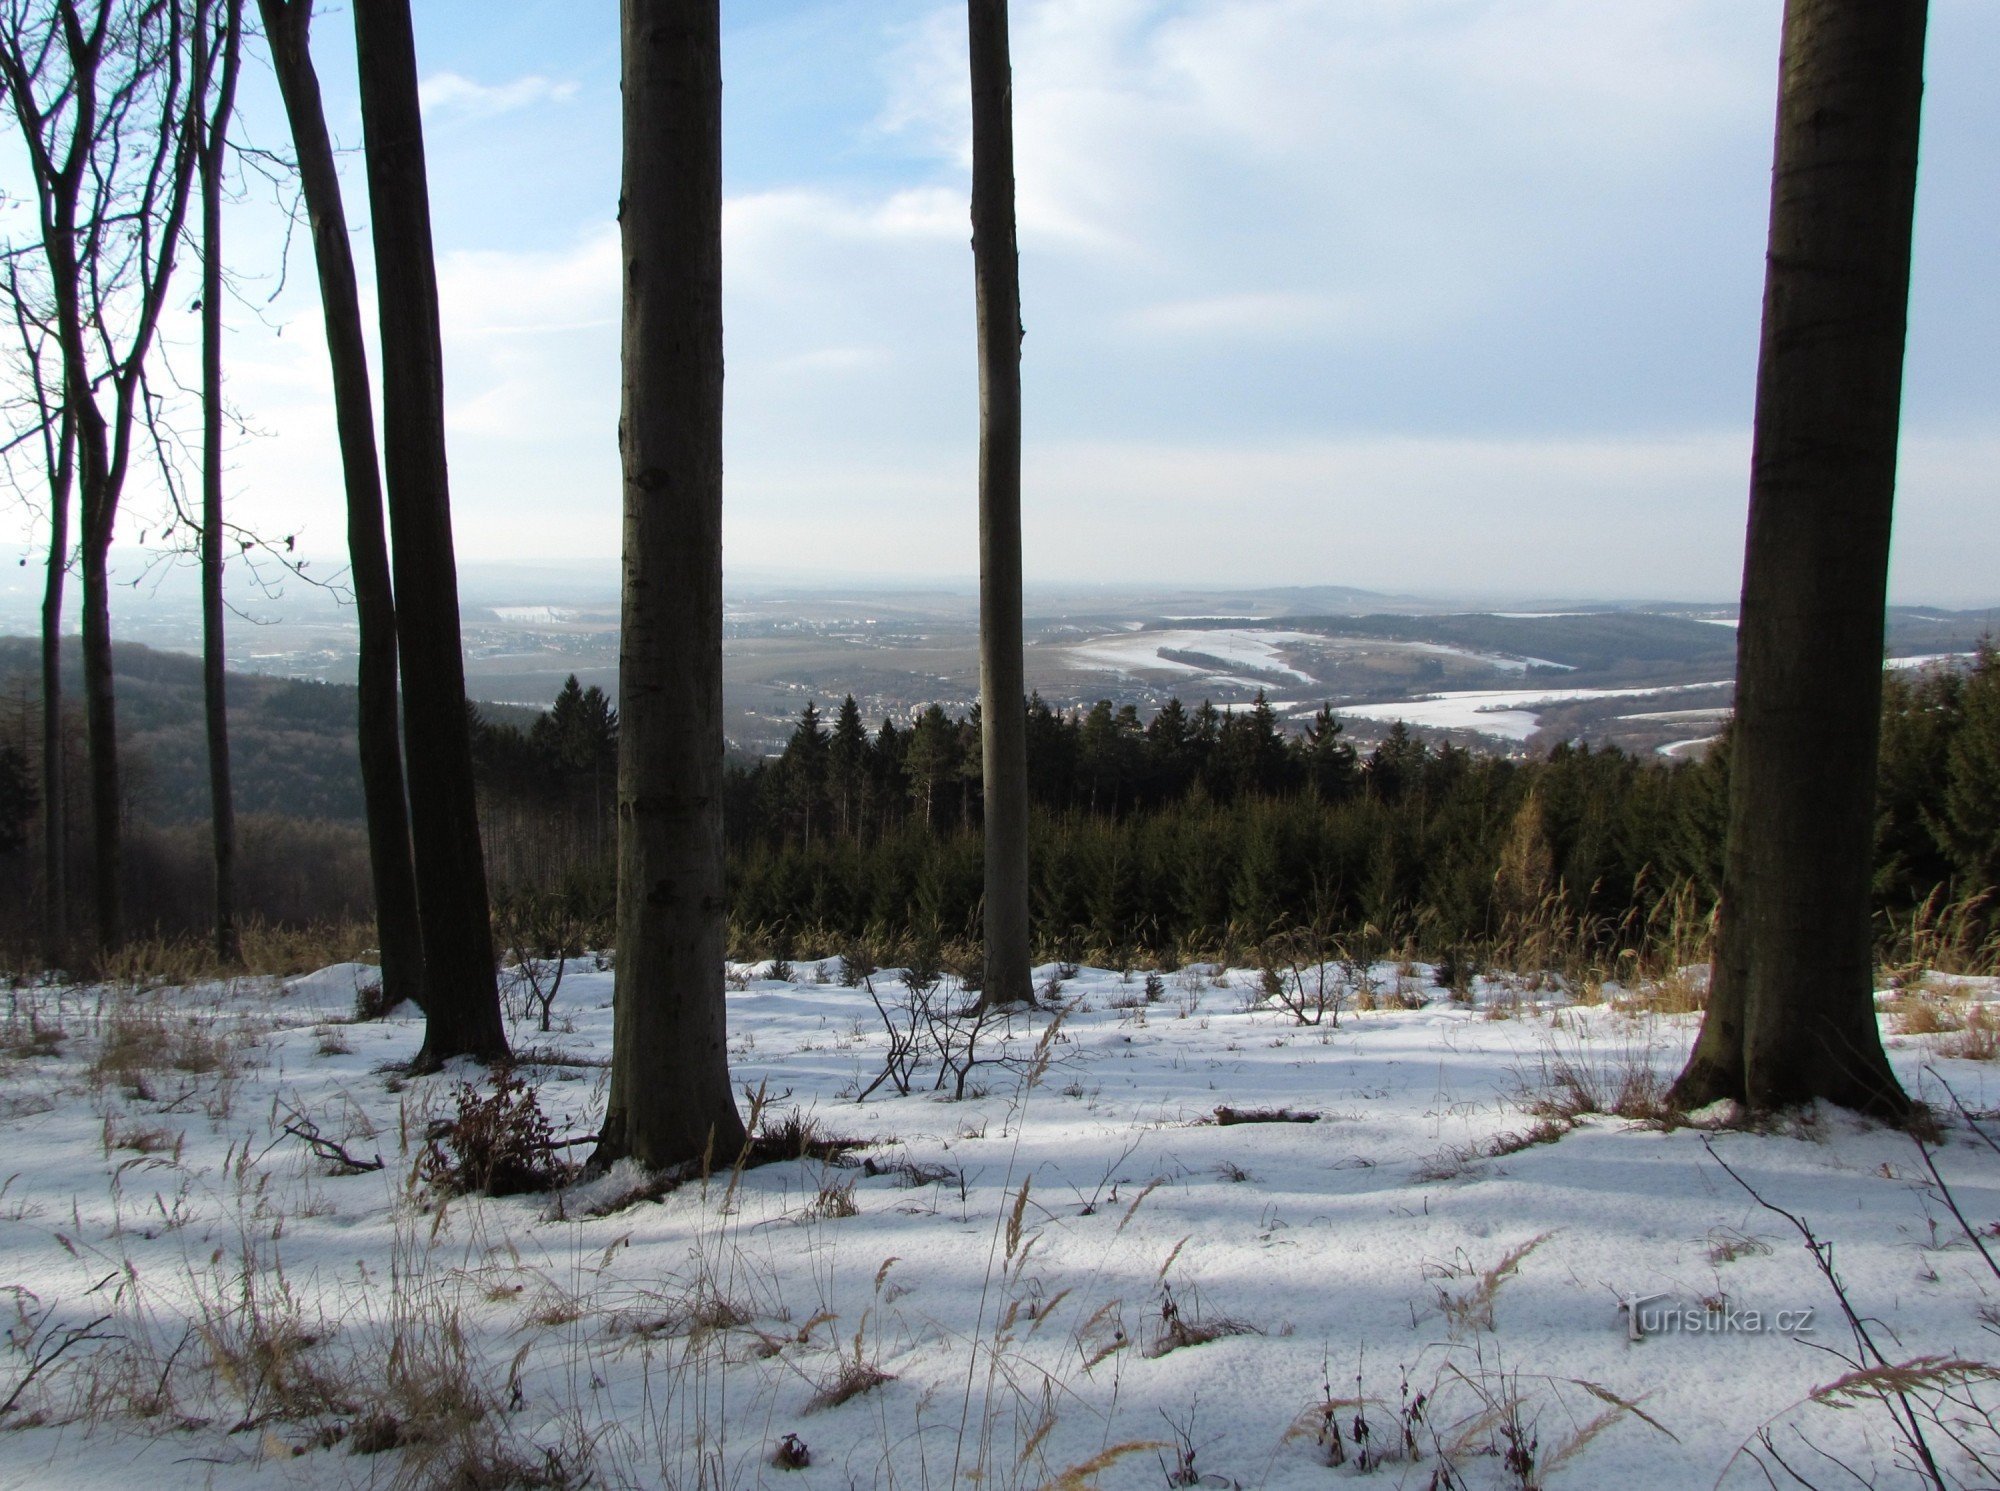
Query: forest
x,y
1028,1097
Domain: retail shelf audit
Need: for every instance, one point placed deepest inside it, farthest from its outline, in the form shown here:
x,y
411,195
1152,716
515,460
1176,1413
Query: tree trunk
x,y
288,23
670,1102
461,999
101,730
214,660
1002,684
1791,1014
55,821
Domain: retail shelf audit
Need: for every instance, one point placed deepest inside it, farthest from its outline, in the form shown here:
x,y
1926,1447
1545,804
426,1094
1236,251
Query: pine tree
x,y
804,767
847,765
930,762
1327,759
1970,822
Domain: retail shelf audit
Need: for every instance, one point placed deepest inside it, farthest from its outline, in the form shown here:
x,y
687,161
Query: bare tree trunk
x,y
461,999
55,820
1002,684
1791,1014
288,25
670,1102
214,658
100,701
59,461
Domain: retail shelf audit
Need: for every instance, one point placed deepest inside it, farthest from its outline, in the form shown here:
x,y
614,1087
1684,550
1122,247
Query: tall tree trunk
x,y
288,25
100,701
461,998
214,659
59,461
55,820
1002,683
670,1102
1791,1013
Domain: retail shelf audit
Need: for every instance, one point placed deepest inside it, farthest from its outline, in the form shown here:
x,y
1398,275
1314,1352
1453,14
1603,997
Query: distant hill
x,y
292,741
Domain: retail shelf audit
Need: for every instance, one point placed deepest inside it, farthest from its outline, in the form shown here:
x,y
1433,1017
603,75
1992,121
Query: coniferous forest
x,y
1200,832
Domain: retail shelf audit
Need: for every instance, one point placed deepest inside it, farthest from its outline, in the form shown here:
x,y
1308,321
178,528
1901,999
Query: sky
x,y
1416,295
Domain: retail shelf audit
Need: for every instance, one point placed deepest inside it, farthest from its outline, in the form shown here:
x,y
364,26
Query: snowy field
x,y
1073,1275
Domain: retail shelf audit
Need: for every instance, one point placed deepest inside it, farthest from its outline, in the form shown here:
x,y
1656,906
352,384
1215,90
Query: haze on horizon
x,y
1438,299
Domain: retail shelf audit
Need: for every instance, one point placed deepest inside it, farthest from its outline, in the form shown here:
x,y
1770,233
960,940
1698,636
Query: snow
x,y
1927,659
533,614
1256,651
1259,652
1686,747
1350,1244
1501,712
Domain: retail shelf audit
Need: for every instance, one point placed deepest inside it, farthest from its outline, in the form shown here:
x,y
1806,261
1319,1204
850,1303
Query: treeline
x,y
1201,827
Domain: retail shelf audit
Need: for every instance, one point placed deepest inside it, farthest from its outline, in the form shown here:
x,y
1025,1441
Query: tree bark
x,y
1002,683
59,461
55,818
461,998
1791,1015
288,26
214,659
670,1102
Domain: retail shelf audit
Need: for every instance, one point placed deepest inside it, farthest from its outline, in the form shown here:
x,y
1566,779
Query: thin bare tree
x,y
288,31
109,101
461,996
1791,1013
51,434
222,55
1002,681
670,1102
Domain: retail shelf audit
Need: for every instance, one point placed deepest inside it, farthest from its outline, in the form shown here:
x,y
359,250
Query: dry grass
x,y
1927,1015
143,1041
271,949
1571,1083
1469,1307
1977,1040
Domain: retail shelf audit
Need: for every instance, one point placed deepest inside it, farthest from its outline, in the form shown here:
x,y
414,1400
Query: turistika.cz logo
x,y
1660,1315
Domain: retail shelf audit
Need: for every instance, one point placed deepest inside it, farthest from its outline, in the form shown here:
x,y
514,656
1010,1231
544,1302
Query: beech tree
x,y
288,29
461,998
1002,678
219,54
670,1102
110,104
1791,1013
54,437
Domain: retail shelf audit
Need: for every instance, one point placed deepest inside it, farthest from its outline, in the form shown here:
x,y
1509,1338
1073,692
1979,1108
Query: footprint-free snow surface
x,y
1181,1239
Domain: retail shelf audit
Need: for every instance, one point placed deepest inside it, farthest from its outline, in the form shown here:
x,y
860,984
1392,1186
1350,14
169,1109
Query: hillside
x,y
291,740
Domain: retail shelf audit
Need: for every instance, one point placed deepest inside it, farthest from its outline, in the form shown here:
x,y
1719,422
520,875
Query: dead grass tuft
x,y
853,1378
1228,1115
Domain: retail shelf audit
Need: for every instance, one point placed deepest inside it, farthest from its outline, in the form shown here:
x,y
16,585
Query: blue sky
x,y
1409,294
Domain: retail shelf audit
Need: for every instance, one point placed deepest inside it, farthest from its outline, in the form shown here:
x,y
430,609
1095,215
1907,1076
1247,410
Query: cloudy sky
x,y
1408,294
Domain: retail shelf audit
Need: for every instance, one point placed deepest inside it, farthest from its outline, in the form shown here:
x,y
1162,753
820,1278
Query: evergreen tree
x,y
1970,823
1328,760
847,765
804,768
930,762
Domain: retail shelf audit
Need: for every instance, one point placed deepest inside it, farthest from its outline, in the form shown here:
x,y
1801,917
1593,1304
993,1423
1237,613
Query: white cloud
x,y
454,93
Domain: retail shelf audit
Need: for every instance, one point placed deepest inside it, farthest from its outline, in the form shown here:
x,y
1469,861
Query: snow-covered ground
x,y
1073,1259
1253,651
1510,714
1262,654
